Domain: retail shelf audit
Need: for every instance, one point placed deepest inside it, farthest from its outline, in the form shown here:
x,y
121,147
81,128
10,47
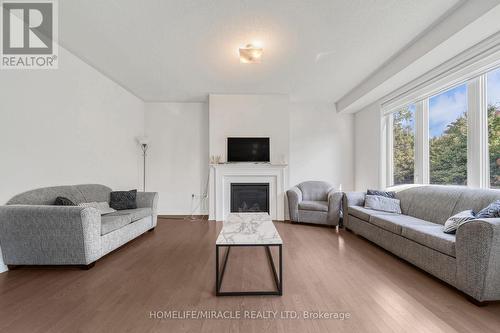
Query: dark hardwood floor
x,y
172,269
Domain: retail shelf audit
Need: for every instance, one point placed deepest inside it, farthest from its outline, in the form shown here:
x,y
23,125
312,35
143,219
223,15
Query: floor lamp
x,y
144,144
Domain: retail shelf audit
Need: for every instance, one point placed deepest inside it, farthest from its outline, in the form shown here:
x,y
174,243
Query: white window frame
x,y
478,173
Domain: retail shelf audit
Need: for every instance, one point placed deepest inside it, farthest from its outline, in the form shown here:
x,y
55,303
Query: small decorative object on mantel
x,y
215,159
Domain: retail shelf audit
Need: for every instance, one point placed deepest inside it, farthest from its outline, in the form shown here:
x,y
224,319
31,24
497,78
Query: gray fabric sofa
x,y
315,202
469,260
35,232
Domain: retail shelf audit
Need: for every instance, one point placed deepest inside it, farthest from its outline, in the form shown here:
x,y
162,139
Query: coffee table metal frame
x,y
219,273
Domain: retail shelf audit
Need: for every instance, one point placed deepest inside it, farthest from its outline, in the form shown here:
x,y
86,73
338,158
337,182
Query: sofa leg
x,y
476,302
12,267
152,229
87,267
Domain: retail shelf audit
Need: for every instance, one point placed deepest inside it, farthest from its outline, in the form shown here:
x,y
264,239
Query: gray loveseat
x,y
315,202
469,260
35,232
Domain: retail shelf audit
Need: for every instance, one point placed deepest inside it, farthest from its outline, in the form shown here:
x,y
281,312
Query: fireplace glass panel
x,y
249,197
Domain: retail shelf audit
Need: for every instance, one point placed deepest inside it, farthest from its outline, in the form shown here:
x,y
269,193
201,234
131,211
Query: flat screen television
x,y
248,150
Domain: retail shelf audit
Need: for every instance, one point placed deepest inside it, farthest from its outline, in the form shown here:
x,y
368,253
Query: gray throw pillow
x,y
492,211
384,204
102,207
388,194
451,225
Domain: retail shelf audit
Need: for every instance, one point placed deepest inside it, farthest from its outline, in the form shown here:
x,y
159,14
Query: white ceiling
x,y
181,51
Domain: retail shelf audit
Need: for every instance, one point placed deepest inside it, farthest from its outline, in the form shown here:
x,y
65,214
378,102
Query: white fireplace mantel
x,y
222,175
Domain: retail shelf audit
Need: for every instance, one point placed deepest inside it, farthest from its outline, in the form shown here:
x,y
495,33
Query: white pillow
x,y
451,225
381,203
102,207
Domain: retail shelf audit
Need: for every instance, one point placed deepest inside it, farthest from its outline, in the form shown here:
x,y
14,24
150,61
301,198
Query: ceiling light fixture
x,y
251,54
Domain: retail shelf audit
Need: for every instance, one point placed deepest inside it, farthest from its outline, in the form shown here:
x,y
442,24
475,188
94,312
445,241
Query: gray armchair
x,y
315,202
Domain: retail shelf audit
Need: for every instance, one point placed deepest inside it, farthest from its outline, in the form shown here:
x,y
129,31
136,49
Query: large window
x,y
404,145
448,137
493,109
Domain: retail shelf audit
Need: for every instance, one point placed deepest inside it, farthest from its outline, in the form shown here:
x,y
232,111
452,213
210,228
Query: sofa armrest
x,y
294,195
351,199
148,200
334,206
478,258
355,198
50,235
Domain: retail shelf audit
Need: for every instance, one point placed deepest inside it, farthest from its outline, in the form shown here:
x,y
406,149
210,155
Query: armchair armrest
x,y
294,198
478,258
351,199
50,235
148,200
334,206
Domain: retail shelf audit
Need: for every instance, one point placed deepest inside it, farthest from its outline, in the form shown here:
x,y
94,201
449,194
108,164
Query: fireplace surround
x,y
223,175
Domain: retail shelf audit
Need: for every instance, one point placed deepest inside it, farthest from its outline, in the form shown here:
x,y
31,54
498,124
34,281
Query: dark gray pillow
x,y
492,211
386,194
121,200
63,201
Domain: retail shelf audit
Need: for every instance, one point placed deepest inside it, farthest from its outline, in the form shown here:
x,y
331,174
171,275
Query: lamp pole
x,y
144,148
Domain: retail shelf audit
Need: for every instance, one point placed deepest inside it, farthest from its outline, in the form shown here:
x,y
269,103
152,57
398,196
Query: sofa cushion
x,y
433,203
432,236
360,212
315,190
111,222
134,214
395,222
47,196
476,199
314,205
94,192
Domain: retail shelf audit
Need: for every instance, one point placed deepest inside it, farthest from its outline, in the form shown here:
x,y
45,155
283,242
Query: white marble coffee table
x,y
248,229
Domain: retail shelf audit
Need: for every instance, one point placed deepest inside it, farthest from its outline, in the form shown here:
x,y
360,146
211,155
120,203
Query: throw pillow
x,y
451,225
492,211
386,194
102,207
382,203
63,201
121,200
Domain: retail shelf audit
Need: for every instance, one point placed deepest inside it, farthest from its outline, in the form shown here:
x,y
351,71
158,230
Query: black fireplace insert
x,y
249,197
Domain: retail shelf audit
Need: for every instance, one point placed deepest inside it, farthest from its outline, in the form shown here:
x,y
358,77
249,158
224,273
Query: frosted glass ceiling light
x,y
251,54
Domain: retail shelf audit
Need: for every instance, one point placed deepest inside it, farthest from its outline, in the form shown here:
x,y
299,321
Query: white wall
x,y
319,141
178,156
253,116
367,148
321,145
67,126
